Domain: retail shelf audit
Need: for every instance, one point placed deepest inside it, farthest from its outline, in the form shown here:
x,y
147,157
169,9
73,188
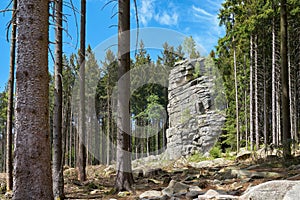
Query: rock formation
x,y
276,190
194,123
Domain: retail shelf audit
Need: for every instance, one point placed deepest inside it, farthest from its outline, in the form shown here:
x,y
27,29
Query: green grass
x,y
215,152
198,157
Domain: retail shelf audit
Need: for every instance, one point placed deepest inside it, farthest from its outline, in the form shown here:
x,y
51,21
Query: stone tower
x,y
194,123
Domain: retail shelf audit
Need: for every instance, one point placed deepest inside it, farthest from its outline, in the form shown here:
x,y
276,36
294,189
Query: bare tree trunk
x,y
113,138
71,133
297,91
76,140
57,173
147,142
245,104
292,91
98,142
297,130
108,125
32,166
158,137
10,106
104,142
251,94
236,99
81,164
256,93
266,101
274,91
265,107
89,127
278,113
143,139
66,131
66,138
139,141
4,152
286,127
124,178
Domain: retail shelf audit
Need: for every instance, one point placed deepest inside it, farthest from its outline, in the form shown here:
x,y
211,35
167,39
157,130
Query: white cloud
x,y
146,11
204,23
215,3
210,18
201,11
152,10
187,29
166,18
200,19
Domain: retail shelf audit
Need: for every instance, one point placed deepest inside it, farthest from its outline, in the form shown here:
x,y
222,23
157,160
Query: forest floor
x,y
231,176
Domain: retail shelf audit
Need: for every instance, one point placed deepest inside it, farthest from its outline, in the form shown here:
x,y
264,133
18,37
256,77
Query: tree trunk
x,y
158,137
75,144
274,91
278,113
286,129
32,166
71,133
10,106
143,139
245,103
108,125
66,130
124,178
147,142
251,94
3,160
298,97
57,167
256,93
236,99
292,71
266,101
104,142
81,164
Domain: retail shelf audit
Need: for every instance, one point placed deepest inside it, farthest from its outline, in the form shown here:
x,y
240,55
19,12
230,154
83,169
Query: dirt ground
x,y
101,178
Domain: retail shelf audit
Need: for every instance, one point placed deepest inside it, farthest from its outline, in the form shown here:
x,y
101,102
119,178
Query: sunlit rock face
x,y
194,122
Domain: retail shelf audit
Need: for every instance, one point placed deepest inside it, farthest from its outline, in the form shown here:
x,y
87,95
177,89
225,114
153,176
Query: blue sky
x,y
197,18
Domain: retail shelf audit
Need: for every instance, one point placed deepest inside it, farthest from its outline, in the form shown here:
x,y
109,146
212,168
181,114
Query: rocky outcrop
x,y
194,123
276,190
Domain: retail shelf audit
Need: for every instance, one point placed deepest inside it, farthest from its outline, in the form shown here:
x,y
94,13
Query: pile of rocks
x,y
178,190
175,190
275,190
220,179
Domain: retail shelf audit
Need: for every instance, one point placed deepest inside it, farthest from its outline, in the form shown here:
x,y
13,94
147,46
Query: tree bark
x,y
10,106
66,129
286,127
266,100
32,167
124,178
274,91
81,164
256,93
245,103
108,122
57,170
251,94
236,99
71,133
